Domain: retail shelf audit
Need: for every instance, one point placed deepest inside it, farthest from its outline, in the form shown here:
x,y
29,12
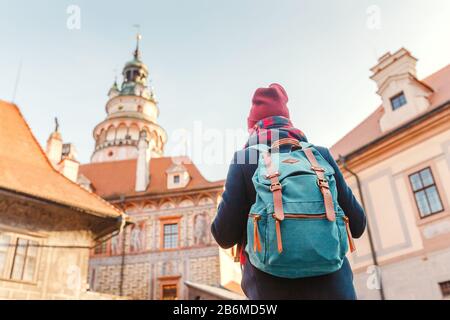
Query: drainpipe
x,y
369,233
122,265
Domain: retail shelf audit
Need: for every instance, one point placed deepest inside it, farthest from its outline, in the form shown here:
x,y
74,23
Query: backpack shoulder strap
x,y
322,182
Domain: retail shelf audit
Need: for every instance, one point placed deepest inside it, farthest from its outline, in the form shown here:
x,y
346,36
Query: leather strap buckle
x,y
319,169
323,183
272,175
275,186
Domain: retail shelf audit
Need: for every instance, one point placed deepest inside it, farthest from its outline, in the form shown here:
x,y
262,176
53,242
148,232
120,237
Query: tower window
x,y
425,192
398,100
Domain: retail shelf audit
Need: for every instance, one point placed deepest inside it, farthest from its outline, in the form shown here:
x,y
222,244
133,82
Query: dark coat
x,y
229,228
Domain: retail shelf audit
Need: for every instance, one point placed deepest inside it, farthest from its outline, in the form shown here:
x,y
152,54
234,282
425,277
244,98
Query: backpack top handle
x,y
291,141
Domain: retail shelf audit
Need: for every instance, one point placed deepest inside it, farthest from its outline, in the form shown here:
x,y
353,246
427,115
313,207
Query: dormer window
x,y
177,176
398,100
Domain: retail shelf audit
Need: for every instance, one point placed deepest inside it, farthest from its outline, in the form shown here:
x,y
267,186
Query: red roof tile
x,y
25,168
369,129
111,179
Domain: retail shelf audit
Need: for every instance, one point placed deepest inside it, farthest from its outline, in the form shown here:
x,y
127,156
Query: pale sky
x,y
206,58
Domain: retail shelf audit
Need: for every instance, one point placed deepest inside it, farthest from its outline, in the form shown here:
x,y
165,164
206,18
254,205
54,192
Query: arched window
x,y
121,132
110,134
133,132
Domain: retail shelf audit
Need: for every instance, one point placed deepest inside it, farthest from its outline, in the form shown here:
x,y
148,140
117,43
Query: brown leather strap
x,y
349,235
284,141
323,184
275,187
279,240
256,237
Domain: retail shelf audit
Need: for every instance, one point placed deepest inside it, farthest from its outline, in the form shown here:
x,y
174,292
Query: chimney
x,y
69,164
62,155
142,163
399,63
54,145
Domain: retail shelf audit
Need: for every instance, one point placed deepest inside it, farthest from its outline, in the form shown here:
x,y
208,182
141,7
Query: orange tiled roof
x,y
24,168
369,129
111,179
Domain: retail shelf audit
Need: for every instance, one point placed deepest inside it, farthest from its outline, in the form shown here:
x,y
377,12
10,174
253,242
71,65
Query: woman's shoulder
x,y
325,152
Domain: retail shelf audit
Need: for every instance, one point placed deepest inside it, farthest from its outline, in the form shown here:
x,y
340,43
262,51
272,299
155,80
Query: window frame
x,y
169,234
396,96
423,188
107,246
10,257
172,285
444,287
165,221
172,280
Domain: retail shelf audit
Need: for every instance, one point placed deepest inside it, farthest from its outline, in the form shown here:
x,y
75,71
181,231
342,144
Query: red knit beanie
x,y
268,102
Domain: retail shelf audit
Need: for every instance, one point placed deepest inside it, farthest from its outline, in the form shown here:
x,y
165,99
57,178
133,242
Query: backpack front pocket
x,y
307,241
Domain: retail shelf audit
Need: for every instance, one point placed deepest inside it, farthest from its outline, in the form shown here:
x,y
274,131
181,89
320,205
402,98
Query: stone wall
x,y
62,239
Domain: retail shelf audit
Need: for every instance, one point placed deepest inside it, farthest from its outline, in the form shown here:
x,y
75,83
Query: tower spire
x,y
56,124
137,52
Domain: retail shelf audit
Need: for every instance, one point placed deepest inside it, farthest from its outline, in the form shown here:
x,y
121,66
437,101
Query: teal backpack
x,y
296,228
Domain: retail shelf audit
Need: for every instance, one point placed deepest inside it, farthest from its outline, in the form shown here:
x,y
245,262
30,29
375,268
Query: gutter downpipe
x,y
122,264
369,233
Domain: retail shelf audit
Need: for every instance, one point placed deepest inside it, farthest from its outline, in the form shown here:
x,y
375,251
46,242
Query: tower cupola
x,y
131,108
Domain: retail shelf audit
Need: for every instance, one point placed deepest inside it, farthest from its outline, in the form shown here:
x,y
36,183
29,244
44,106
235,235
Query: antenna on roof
x,y
16,85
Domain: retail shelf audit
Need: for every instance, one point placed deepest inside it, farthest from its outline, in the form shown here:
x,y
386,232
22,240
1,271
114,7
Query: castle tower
x,y
131,109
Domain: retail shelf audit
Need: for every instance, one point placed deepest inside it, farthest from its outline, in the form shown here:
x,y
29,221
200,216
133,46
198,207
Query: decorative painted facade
x,y
401,156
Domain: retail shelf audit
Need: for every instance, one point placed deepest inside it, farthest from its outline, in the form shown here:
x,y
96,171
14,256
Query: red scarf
x,y
273,128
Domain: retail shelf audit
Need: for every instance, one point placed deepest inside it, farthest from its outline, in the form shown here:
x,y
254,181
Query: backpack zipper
x,y
304,216
317,216
256,236
292,216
